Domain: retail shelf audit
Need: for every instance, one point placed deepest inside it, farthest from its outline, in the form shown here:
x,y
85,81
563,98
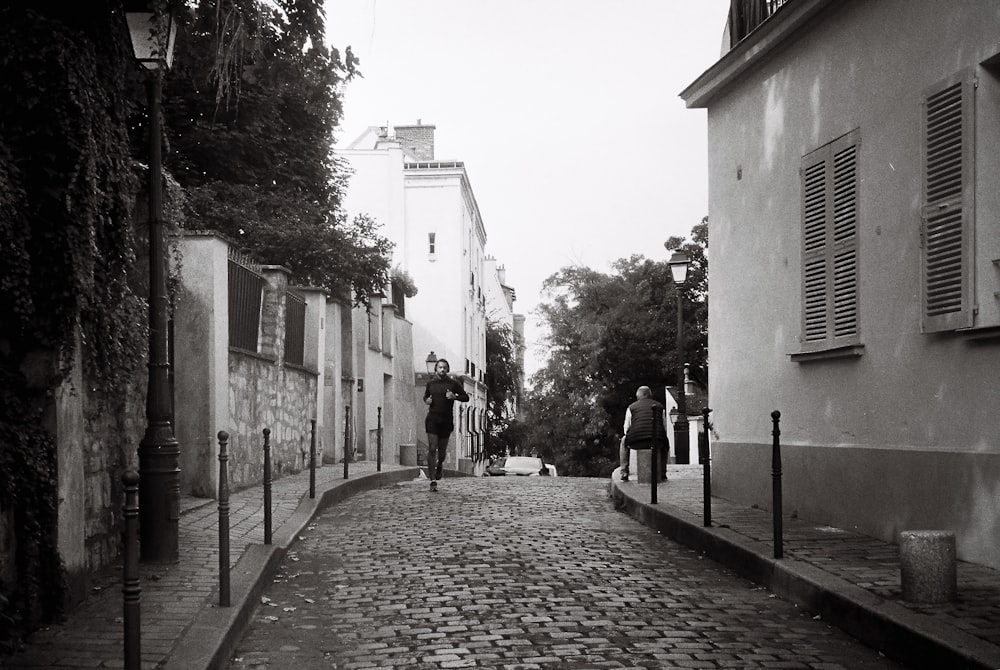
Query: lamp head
x,y
678,267
431,363
152,33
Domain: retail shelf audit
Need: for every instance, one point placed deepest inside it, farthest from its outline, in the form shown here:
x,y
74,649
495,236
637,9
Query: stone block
x,y
642,466
927,563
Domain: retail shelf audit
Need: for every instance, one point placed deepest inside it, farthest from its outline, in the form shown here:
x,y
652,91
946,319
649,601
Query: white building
x,y
428,209
855,285
500,300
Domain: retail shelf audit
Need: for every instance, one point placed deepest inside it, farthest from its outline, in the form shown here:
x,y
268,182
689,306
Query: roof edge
x,y
772,34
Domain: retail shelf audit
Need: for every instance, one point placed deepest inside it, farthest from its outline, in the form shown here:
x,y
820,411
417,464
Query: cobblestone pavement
x,y
865,562
172,595
518,573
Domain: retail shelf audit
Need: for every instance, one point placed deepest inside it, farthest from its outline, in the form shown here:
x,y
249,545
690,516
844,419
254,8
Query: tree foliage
x,y
504,375
250,106
249,112
607,335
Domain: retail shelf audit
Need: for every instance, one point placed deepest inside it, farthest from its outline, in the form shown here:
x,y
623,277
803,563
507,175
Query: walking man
x,y
440,395
645,428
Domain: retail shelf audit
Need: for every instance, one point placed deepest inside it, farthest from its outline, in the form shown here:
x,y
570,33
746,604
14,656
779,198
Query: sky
x,y
566,113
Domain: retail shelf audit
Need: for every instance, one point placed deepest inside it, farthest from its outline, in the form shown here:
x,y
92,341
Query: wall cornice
x,y
789,23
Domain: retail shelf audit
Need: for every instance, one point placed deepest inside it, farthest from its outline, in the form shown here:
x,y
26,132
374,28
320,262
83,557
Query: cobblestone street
x,y
518,573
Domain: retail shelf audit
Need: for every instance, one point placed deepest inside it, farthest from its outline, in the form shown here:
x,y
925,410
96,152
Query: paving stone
x,y
580,603
580,598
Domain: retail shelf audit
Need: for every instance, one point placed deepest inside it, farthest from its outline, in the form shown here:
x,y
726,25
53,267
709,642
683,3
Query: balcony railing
x,y
746,15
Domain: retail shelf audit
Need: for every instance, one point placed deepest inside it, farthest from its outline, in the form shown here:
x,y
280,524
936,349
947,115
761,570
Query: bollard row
x,y
267,486
223,519
312,460
378,451
347,437
130,573
705,458
779,551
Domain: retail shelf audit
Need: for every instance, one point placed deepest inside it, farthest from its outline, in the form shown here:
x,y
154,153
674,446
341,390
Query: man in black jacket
x,y
645,428
440,395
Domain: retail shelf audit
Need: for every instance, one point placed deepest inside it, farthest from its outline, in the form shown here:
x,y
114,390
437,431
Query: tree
x,y
250,108
503,387
607,335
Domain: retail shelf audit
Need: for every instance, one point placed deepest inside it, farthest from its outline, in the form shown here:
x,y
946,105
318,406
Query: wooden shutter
x,y
815,321
830,316
845,242
946,236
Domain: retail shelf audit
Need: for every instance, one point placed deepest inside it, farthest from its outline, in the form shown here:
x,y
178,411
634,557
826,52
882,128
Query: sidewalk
x,y
850,581
182,625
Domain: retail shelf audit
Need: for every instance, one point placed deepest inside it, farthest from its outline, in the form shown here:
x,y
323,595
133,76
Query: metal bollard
x,y
312,460
223,520
705,458
654,460
267,486
776,485
347,437
378,450
130,572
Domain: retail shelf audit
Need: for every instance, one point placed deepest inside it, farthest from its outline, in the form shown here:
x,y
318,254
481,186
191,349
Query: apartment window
x,y
431,243
830,315
947,212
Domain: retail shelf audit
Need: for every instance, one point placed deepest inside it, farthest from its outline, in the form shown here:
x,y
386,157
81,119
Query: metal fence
x,y
246,286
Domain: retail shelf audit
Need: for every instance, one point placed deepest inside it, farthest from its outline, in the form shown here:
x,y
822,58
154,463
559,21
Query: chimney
x,y
688,384
418,140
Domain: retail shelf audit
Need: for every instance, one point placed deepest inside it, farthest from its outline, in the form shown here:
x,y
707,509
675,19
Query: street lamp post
x,y
159,454
678,269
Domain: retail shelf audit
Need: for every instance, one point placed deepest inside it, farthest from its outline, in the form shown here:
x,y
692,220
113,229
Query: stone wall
x,y
114,426
264,394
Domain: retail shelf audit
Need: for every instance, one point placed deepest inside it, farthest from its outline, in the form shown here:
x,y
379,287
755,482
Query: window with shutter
x,y
830,316
947,212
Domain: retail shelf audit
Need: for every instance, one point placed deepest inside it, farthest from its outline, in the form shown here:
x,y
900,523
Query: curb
x,y
210,639
890,628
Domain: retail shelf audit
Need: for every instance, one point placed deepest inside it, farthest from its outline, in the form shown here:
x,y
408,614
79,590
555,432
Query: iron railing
x,y
246,286
746,15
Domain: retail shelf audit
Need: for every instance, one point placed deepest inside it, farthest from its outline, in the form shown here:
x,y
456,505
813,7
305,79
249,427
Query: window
x,y
431,243
387,326
830,315
374,329
947,212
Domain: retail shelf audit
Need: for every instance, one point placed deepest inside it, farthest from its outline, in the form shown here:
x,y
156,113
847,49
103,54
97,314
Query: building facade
x,y
853,155
428,209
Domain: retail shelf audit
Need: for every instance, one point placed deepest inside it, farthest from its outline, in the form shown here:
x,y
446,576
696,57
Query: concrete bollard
x,y
928,569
